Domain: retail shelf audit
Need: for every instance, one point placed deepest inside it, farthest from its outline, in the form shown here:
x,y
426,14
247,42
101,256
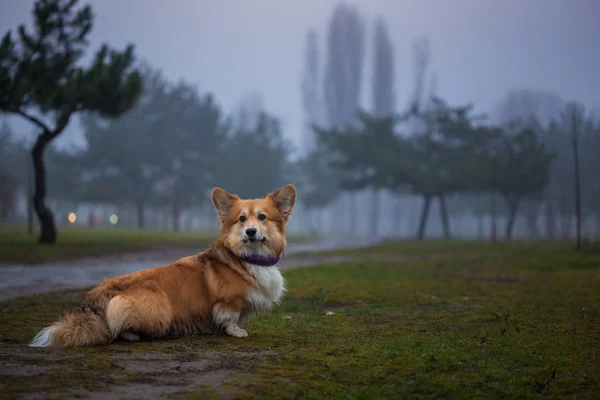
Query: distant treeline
x,y
168,151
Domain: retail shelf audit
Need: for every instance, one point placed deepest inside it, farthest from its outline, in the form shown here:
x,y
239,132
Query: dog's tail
x,y
85,325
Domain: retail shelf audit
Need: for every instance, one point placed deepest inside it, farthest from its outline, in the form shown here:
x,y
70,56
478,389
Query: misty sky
x,y
480,49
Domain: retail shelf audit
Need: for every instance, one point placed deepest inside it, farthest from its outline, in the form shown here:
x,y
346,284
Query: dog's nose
x,y
251,231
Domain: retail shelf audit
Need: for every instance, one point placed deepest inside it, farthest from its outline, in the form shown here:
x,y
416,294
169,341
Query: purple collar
x,y
260,260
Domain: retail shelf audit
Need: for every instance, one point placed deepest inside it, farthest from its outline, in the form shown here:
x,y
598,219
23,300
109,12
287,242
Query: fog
x,y
237,91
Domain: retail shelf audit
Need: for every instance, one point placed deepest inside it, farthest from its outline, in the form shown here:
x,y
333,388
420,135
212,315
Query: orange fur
x,y
212,291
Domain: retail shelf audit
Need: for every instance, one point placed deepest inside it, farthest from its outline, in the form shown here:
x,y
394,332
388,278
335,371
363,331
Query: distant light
x,y
72,217
114,219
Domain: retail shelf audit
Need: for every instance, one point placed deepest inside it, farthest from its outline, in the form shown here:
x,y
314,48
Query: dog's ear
x,y
284,200
223,202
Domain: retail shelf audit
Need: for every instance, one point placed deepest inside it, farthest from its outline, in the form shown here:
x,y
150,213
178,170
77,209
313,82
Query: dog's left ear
x,y
284,200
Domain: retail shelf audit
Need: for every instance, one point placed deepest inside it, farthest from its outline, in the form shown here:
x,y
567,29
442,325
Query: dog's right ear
x,y
223,202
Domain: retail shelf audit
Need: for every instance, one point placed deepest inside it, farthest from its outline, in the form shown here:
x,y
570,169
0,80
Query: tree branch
x,y
34,120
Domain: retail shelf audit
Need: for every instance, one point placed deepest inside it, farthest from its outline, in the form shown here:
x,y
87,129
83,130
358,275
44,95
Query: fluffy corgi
x,y
210,292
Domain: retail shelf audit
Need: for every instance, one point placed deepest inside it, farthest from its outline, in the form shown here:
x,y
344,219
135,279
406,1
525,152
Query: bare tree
x,y
343,73
422,59
345,59
383,97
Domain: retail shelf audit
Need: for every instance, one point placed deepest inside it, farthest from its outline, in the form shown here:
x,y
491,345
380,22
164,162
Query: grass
x,y
16,247
521,321
458,248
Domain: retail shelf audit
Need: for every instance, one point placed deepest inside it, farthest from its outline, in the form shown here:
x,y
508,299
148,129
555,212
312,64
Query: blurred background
x,y
463,119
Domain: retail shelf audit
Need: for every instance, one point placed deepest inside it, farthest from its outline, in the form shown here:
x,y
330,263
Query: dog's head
x,y
255,227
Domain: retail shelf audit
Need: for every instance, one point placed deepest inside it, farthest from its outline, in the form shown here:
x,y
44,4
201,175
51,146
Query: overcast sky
x,y
480,48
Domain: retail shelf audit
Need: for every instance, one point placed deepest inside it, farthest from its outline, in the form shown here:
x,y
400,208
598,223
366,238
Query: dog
x,y
212,292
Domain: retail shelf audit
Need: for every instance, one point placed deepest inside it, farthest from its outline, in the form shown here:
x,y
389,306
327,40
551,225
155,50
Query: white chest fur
x,y
270,290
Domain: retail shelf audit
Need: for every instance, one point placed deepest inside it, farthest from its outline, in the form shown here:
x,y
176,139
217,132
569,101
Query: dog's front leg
x,y
227,316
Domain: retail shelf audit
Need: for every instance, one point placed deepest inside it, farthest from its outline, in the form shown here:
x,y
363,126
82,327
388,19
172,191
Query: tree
x,y
589,148
445,150
311,99
370,154
122,160
317,181
383,98
535,109
193,130
63,173
576,175
532,107
439,159
9,180
248,110
252,162
522,165
560,193
41,71
163,151
421,59
343,73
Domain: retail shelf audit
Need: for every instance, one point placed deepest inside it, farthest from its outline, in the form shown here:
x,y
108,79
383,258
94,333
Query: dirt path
x,y
75,281
84,277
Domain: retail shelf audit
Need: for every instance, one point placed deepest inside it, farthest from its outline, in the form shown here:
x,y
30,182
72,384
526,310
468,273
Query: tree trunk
x,y
424,215
564,213
351,214
479,226
577,183
29,198
189,223
494,232
531,215
374,213
47,227
164,222
444,216
550,219
397,221
513,206
140,214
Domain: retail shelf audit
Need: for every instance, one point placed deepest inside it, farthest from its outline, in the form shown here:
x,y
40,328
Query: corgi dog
x,y
211,292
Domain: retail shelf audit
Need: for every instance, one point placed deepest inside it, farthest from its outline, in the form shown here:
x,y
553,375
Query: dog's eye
x,y
262,217
242,219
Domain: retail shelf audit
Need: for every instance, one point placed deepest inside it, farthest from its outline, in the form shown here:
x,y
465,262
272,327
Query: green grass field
x,y
513,321
74,242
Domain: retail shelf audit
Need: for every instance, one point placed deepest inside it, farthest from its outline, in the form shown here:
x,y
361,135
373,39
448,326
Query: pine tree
x,y
41,78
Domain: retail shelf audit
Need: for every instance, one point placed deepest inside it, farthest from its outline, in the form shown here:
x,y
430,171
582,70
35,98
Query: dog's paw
x,y
236,331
